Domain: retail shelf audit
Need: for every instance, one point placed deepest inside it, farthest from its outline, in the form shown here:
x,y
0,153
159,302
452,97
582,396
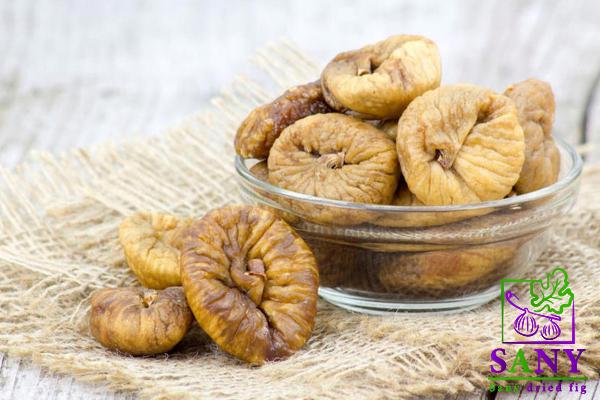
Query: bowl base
x,y
378,306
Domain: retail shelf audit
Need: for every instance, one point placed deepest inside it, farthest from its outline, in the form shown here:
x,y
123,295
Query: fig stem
x,y
446,160
363,66
333,160
510,295
257,267
148,299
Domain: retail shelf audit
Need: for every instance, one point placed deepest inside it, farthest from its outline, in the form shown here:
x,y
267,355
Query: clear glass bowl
x,y
379,258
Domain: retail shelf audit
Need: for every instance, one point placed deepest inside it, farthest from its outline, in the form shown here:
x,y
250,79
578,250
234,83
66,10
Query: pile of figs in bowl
x,y
413,195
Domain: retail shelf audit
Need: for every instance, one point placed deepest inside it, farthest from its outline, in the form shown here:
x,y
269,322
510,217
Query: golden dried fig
x,y
251,282
151,244
140,321
535,108
460,144
340,265
405,198
389,127
337,157
380,80
262,126
261,171
443,270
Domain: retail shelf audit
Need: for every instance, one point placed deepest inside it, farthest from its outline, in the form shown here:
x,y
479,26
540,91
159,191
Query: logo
x,y
537,312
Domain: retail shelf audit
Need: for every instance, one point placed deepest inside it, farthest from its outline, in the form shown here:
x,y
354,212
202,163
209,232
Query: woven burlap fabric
x,y
59,219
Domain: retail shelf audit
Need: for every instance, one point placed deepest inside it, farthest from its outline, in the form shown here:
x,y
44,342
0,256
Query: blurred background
x,y
74,73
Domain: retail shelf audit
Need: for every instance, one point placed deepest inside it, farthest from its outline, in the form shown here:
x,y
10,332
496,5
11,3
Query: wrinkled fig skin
x,y
140,321
404,198
421,274
337,157
261,171
380,80
442,270
251,283
151,244
341,266
535,107
389,127
460,144
262,126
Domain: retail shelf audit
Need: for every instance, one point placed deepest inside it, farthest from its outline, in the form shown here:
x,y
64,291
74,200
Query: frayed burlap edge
x,y
59,217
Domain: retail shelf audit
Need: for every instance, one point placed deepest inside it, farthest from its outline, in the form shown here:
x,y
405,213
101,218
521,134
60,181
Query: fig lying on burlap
x,y
460,144
151,244
535,108
251,282
381,79
262,126
140,321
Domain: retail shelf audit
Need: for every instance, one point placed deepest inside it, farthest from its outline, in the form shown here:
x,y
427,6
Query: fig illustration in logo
x,y
525,324
550,330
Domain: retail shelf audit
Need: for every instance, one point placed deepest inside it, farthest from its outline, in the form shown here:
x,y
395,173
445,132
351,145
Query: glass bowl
x,y
380,258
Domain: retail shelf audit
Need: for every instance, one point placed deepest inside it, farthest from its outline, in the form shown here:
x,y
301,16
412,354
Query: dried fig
x,y
337,157
261,171
262,126
535,108
444,270
380,80
405,198
340,265
140,321
460,144
389,127
251,282
151,244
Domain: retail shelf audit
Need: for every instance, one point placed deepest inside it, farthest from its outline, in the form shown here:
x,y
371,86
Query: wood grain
x,y
76,73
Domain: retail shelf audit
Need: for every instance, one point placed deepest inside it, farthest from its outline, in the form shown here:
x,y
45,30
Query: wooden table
x,y
75,73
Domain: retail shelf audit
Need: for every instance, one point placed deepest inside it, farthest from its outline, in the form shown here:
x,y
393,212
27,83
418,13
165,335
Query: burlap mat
x,y
59,218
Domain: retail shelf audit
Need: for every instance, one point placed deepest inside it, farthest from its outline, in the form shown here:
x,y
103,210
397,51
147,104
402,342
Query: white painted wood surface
x,y
74,73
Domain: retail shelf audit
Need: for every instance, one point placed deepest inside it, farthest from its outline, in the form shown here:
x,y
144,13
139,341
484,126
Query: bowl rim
x,y
572,174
